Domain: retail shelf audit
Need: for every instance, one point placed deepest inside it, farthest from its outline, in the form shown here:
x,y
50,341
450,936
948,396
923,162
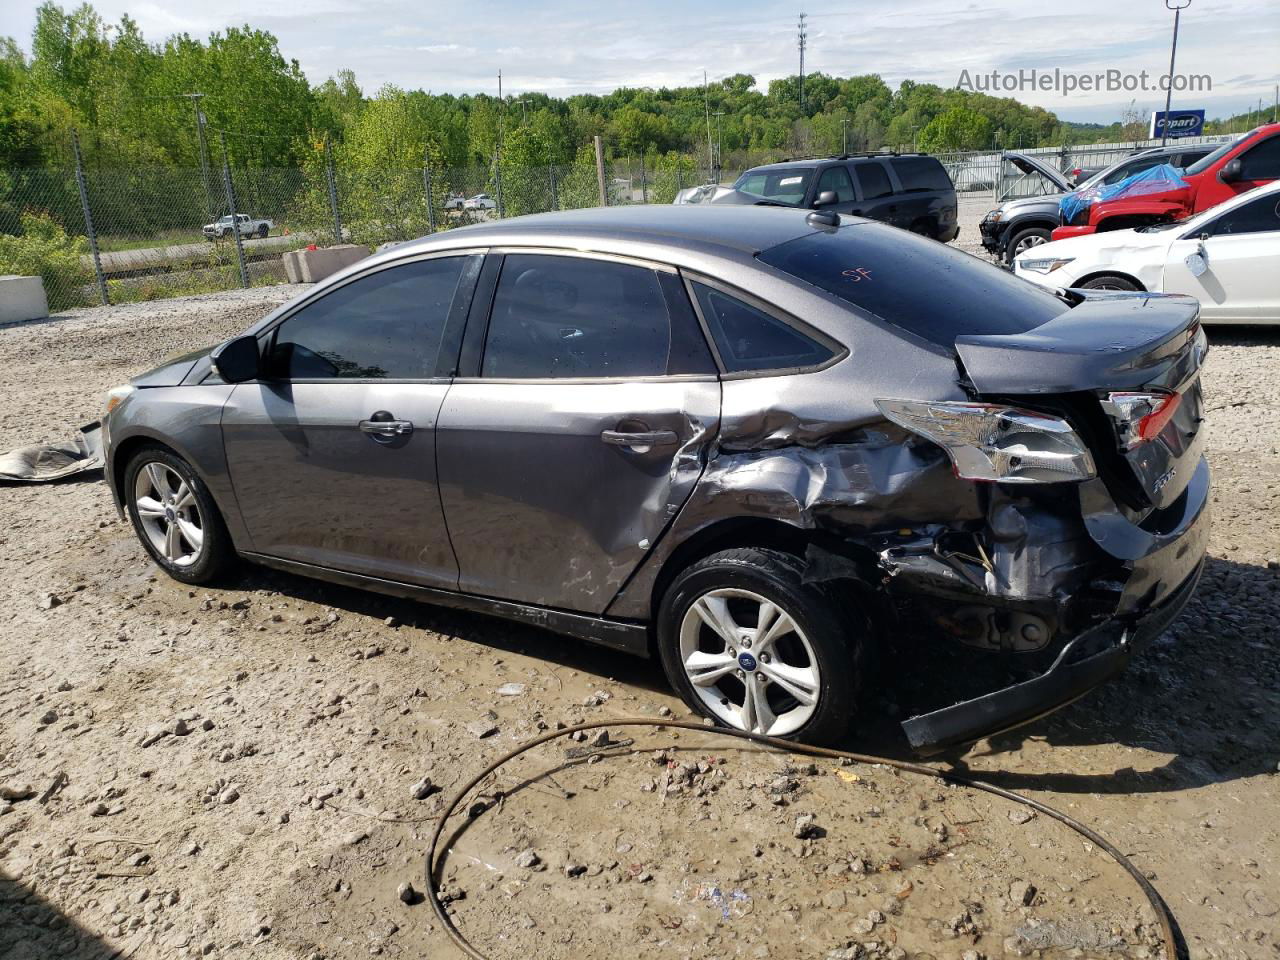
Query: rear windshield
x,y
920,173
782,186
915,283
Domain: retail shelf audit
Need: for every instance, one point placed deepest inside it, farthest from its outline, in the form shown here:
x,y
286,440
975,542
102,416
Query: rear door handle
x,y
639,438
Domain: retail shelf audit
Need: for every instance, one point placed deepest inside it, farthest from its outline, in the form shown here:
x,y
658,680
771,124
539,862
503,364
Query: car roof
x,y
843,158
717,230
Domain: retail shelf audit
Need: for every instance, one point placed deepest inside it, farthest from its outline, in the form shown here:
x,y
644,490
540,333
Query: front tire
x,y
175,517
1110,283
1024,240
745,641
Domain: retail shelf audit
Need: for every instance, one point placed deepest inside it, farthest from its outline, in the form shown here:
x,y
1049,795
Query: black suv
x,y
909,190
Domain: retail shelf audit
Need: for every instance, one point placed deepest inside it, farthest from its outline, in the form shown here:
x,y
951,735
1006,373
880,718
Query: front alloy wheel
x,y
749,662
175,517
168,514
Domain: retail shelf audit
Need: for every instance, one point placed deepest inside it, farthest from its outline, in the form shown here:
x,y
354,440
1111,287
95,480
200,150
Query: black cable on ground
x,y
1168,926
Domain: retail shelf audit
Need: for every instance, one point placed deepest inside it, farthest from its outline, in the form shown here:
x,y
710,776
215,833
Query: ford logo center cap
x,y
746,661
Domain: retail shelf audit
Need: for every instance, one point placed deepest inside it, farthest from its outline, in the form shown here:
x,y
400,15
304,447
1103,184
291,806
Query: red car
x,y
1245,163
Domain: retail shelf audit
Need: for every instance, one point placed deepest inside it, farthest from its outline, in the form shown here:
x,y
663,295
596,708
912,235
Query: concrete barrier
x,y
308,266
22,299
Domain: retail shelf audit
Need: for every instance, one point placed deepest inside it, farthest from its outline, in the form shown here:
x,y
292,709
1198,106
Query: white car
x,y
1228,258
481,201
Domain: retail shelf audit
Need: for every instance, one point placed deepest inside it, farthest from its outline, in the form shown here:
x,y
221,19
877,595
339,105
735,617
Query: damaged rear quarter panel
x,y
813,452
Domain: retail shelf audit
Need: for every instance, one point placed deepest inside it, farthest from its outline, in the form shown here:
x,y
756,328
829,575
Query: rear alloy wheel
x,y
747,643
1110,283
1024,240
175,517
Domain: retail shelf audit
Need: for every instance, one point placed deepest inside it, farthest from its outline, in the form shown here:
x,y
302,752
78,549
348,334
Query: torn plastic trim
x,y
1084,662
45,463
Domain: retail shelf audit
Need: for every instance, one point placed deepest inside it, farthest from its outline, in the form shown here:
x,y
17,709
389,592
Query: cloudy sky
x,y
570,46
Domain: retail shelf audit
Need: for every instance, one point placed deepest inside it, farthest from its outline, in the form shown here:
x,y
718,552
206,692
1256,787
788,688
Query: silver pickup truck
x,y
247,225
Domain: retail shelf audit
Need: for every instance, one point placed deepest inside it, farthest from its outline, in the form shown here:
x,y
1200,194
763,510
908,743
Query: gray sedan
x,y
738,439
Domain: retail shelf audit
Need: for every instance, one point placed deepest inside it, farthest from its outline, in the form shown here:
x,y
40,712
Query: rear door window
x,y
874,179
918,174
574,317
1133,167
836,179
921,286
749,339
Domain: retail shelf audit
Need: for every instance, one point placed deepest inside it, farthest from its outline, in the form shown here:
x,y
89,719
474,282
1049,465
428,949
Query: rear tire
x,y
1110,283
262,231
175,517
745,641
1024,240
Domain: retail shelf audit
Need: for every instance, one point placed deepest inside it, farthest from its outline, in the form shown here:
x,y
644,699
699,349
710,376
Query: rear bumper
x,y
1164,570
1066,233
1086,661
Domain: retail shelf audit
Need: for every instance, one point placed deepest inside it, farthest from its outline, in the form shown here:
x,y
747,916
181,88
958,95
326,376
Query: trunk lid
x,y
1109,343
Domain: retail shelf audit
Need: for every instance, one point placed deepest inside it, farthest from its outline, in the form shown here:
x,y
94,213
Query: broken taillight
x,y
1140,417
995,441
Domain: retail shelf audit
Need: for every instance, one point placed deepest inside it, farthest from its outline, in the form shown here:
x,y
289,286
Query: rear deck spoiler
x,y
1109,341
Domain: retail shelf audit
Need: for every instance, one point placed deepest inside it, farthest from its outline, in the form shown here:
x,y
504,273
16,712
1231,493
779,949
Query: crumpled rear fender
x,y
880,478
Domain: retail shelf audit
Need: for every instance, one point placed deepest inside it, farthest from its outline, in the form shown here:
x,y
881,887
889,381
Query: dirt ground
x,y
235,772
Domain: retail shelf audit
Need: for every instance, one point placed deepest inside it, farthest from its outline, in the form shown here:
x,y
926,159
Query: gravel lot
x,y
235,772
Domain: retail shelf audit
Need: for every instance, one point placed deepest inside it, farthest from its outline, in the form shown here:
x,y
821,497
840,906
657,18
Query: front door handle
x,y
639,438
382,425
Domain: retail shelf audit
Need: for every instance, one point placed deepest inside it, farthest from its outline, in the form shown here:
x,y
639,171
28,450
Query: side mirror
x,y
238,360
825,199
1231,172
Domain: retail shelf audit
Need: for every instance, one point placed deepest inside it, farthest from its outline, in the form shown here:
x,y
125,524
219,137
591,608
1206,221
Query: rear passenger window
x,y
1131,169
874,179
386,325
920,173
557,317
836,179
750,339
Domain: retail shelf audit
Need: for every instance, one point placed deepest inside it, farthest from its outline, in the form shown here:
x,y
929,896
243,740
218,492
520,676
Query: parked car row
x,y
1019,224
1207,176
1228,258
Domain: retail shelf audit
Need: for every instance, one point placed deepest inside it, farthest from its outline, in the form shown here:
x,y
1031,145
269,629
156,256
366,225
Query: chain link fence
x,y
103,235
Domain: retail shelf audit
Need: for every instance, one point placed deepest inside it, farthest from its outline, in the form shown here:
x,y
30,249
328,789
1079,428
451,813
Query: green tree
x,y
957,129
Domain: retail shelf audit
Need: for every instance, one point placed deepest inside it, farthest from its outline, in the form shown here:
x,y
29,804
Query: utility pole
x,y
706,102
719,155
497,162
846,137
204,148
524,108
802,39
1177,6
